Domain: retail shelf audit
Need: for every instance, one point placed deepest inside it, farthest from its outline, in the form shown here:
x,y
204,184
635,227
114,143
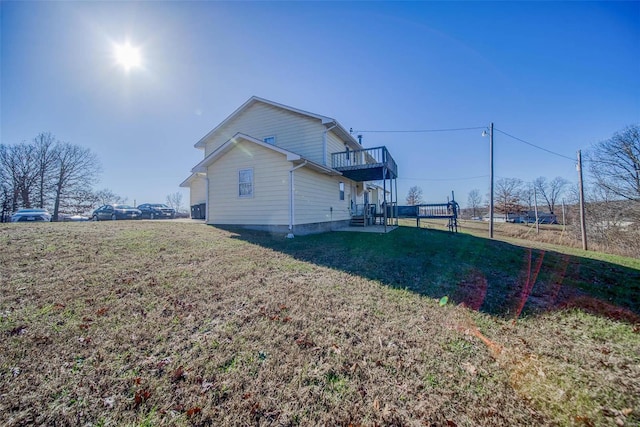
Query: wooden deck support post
x,y
384,192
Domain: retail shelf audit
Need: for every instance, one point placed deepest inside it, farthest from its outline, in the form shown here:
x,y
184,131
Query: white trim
x,y
224,148
327,121
206,203
291,157
292,208
324,143
187,182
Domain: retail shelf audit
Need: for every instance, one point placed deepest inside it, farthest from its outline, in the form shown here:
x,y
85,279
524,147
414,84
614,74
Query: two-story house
x,y
270,166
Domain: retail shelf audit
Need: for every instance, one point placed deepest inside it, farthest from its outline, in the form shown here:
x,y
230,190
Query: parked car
x,y
31,215
156,210
113,212
74,218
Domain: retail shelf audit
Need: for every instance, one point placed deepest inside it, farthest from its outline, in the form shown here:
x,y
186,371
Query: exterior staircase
x,y
357,221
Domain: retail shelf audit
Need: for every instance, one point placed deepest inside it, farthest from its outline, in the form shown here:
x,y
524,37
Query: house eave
x,y
187,182
316,167
323,119
344,135
224,148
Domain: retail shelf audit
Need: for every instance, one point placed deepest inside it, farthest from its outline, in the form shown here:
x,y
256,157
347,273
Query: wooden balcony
x,y
370,164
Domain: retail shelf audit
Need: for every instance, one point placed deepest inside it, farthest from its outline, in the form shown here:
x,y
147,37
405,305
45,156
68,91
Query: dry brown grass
x,y
148,323
626,244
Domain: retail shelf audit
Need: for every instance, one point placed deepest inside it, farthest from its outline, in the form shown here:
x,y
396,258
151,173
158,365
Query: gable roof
x,y
187,182
327,121
231,143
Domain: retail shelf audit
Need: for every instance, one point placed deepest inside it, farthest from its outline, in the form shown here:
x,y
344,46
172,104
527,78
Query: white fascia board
x,y
224,148
187,182
202,142
345,136
320,168
324,119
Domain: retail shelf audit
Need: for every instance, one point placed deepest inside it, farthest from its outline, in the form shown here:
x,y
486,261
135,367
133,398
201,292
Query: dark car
x,y
113,212
156,210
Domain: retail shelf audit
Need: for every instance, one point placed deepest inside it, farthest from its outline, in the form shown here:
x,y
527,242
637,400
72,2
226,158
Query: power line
x,y
419,130
469,178
463,129
536,146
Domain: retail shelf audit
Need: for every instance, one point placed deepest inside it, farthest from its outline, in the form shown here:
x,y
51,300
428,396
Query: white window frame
x,y
270,137
341,189
240,183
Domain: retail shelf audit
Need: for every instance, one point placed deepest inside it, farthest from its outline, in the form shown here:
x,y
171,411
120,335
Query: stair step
x,y
357,221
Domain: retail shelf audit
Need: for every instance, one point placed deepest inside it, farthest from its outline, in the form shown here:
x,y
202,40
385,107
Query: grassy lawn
x,y
169,323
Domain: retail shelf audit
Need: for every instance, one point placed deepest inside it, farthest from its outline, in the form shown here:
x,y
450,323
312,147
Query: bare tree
x,y
5,186
414,197
45,153
78,201
107,197
76,170
5,194
527,196
615,163
18,165
46,171
474,200
508,195
174,200
550,191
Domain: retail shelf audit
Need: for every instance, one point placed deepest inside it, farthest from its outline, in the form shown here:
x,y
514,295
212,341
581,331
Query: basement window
x,y
341,186
245,183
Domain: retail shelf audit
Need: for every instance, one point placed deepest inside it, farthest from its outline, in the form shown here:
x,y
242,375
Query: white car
x,y
31,215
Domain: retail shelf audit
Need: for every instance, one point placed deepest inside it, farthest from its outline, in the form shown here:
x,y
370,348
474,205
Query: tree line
x,y
613,191
614,176
512,195
48,173
612,194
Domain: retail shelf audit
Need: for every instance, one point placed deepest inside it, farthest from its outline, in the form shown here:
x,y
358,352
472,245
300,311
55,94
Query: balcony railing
x,y
369,158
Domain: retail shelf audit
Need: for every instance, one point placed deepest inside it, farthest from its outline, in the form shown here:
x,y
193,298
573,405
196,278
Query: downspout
x,y
324,144
207,205
291,206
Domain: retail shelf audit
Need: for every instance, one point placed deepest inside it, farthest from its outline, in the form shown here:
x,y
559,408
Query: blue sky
x,y
559,75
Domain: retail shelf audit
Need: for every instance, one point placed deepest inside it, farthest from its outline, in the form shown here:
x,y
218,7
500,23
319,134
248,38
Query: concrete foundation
x,y
298,230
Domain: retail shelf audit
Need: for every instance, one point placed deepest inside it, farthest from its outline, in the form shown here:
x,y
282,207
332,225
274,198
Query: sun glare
x,y
127,56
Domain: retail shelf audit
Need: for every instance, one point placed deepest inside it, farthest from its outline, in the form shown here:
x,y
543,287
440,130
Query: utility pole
x,y
484,133
491,178
535,206
583,226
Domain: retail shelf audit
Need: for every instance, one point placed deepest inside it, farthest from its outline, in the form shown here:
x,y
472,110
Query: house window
x,y
245,183
270,140
341,190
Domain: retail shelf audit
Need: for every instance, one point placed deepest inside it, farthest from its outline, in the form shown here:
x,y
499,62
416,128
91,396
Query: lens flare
x,y
127,56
